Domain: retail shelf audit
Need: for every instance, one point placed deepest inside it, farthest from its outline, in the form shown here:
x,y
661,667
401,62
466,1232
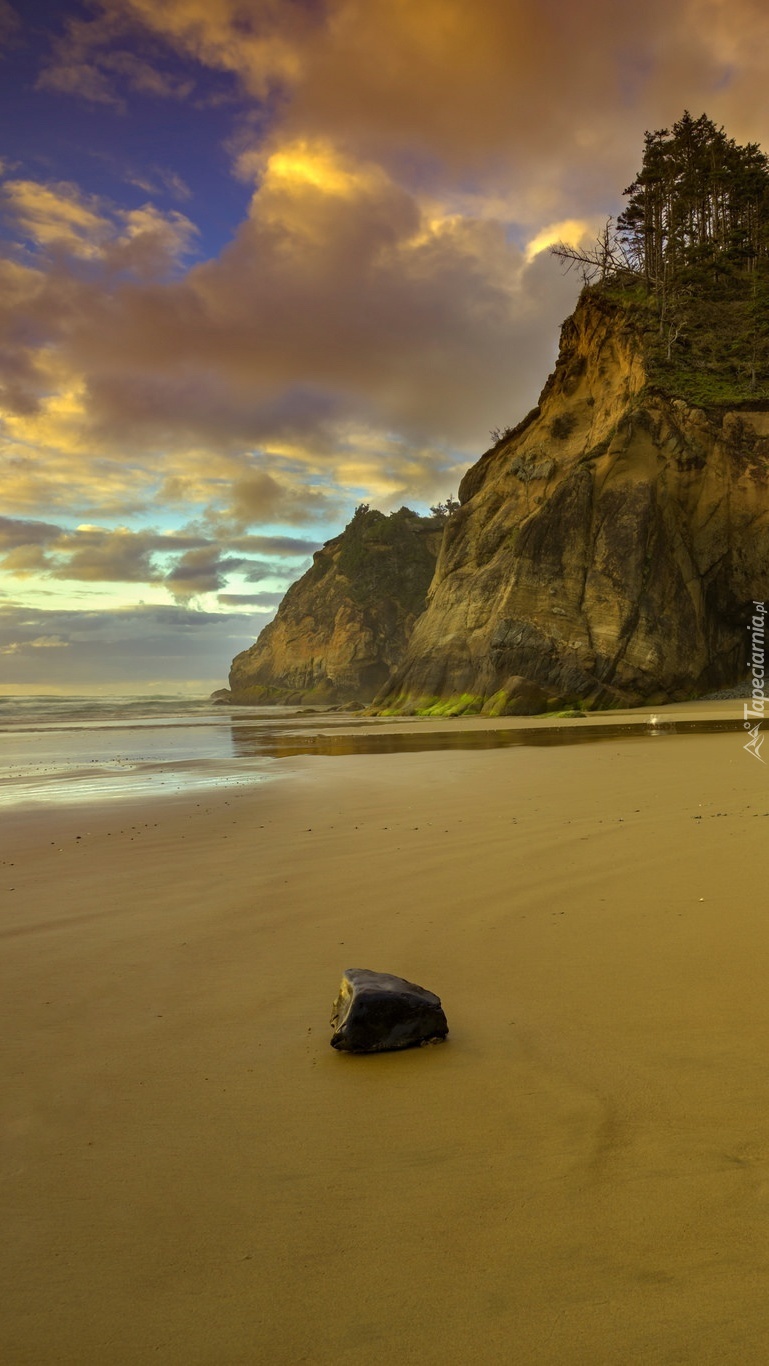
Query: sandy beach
x,y
580,1174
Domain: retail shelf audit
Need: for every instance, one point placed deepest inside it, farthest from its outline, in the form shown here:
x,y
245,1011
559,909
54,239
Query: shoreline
x,y
131,760
580,1173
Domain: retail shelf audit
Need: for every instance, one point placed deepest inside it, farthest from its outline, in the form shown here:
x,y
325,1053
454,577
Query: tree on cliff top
x,y
693,244
699,207
697,214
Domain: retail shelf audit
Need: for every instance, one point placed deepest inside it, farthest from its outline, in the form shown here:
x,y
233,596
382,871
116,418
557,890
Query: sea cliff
x,y
607,550
344,625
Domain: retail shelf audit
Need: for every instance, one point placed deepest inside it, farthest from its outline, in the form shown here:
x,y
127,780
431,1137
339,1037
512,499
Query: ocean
x,y
57,749
67,749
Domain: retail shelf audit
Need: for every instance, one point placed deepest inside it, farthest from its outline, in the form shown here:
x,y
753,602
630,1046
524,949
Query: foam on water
x,y
94,749
65,749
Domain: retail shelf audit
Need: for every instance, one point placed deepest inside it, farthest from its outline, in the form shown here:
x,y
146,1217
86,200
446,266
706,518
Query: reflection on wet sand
x,y
255,741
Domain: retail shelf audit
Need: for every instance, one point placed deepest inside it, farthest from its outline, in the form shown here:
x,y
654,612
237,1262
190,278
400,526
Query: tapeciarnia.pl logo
x,y
754,710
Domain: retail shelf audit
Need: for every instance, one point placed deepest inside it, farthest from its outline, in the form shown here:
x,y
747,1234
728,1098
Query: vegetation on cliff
x,y
343,626
382,557
689,261
608,548
698,210
607,551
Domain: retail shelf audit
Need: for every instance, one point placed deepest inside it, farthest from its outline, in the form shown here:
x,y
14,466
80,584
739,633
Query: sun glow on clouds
x,y
307,163
574,232
58,218
386,299
58,420
377,256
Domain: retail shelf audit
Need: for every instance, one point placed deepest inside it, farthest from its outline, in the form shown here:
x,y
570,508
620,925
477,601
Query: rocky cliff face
x,y
343,626
607,551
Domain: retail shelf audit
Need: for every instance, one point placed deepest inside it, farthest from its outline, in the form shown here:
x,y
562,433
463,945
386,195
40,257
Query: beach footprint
x,y
751,1158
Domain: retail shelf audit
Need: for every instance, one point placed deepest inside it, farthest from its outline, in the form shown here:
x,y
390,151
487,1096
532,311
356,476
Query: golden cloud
x,y
573,232
344,311
262,43
389,297
548,98
58,218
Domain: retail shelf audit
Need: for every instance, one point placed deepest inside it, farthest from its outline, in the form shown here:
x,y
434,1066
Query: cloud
x,y
351,335
15,532
260,600
259,497
204,570
151,242
9,26
141,76
96,556
73,67
208,568
57,218
157,180
573,232
103,58
87,554
16,647
275,545
79,649
535,102
387,300
188,565
264,44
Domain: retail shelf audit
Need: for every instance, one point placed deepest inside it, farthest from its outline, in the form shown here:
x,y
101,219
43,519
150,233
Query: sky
x,y
264,260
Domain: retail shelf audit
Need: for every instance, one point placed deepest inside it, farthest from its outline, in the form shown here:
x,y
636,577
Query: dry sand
x,y
579,1175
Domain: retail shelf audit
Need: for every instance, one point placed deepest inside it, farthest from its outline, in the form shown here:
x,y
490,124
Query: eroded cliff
x,y
343,626
606,551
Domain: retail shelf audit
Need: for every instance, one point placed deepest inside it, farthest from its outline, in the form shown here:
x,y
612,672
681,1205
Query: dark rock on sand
x,y
375,1011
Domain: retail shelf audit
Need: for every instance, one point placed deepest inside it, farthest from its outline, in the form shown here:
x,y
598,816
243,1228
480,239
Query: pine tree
x,y
690,256
698,210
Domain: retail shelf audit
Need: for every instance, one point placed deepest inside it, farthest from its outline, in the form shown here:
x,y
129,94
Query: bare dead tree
x,y
608,257
674,332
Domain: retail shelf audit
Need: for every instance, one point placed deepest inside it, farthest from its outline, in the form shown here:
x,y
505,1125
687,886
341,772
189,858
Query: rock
x,y
221,697
607,550
518,697
375,1011
344,625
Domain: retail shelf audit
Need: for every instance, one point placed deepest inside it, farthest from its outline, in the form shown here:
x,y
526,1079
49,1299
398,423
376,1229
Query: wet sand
x,y
579,1175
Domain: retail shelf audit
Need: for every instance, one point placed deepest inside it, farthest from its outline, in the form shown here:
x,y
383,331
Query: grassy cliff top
x,y
707,345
